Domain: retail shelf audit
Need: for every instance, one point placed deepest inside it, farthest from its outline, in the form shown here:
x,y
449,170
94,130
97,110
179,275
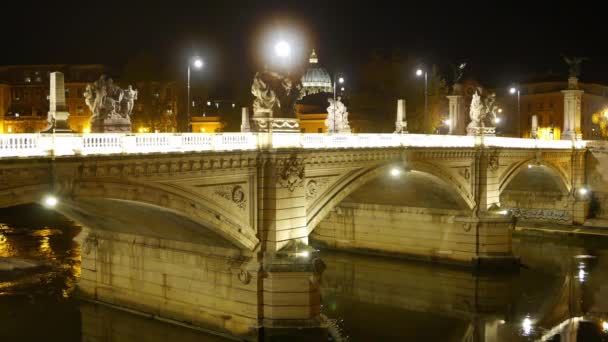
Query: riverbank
x,y
540,228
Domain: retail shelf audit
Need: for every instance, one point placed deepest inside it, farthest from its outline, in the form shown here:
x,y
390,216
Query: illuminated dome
x,y
316,79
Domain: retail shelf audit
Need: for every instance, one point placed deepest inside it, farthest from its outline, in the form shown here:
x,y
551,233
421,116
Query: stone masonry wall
x,y
417,232
174,280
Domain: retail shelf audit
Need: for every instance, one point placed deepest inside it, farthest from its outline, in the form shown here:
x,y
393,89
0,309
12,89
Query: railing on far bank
x,y
28,145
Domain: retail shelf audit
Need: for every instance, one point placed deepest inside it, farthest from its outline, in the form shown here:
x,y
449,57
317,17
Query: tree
x,y
156,106
384,80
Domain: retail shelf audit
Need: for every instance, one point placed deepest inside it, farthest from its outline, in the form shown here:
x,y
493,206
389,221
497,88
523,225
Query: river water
x,y
562,287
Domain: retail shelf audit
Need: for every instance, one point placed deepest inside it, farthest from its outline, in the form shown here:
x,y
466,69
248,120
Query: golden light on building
x,y
207,124
10,129
86,130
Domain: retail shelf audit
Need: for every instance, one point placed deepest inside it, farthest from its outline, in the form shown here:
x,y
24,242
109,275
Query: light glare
x,y
512,90
50,201
282,49
395,172
583,191
198,63
419,72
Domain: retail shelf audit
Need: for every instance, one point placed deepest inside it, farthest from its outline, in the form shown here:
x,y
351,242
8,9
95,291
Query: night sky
x,y
502,43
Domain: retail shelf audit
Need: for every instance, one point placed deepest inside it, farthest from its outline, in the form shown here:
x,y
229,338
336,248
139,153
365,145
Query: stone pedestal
x,y
457,115
572,114
114,124
276,125
487,131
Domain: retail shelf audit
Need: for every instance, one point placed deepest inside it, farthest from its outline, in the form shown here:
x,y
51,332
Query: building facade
x,y
24,102
545,100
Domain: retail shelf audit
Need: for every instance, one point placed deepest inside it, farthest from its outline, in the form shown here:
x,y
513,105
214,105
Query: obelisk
x,y
401,122
58,114
245,127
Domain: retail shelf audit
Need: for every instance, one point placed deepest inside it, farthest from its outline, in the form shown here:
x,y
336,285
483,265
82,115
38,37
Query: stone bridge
x,y
214,229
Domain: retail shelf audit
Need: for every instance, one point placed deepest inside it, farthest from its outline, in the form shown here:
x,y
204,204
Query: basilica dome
x,y
316,79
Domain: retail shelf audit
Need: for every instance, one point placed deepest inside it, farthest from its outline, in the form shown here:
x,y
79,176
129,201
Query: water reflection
x,y
559,294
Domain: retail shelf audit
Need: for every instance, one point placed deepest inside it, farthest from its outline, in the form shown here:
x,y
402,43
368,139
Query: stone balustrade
x,y
28,145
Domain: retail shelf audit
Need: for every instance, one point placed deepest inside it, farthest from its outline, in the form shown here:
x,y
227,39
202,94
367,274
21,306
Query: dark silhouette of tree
x,y
384,80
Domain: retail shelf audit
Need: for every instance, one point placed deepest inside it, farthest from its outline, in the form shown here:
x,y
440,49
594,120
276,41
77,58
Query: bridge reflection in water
x,y
559,291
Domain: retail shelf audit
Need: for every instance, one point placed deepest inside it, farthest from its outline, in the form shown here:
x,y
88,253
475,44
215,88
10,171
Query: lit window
x,y
28,80
79,109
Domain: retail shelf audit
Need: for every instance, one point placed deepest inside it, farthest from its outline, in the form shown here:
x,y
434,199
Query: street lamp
x,y
198,64
341,81
512,91
419,73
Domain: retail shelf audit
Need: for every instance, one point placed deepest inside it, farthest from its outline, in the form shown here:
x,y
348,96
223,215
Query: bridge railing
x,y
26,145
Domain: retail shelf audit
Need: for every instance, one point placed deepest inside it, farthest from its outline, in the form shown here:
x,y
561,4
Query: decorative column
x,y
456,110
572,110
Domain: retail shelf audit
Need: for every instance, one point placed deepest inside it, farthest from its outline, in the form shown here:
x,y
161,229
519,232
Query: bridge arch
x,y
532,167
357,179
164,197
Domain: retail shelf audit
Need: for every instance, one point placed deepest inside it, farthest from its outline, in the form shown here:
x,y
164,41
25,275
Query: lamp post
x,y
341,81
197,63
419,73
512,91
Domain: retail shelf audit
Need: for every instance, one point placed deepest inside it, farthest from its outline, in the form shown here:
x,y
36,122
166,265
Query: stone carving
x,y
90,243
337,117
540,214
234,194
244,276
314,187
110,105
465,173
275,95
311,189
493,162
574,65
290,173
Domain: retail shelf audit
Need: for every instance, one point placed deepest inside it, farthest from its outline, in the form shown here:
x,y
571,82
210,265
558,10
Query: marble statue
x,y
275,95
475,111
574,65
110,105
483,111
337,117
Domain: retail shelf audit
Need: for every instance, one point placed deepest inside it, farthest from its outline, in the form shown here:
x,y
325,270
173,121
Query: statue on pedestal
x,y
111,106
483,114
274,103
337,117
574,65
